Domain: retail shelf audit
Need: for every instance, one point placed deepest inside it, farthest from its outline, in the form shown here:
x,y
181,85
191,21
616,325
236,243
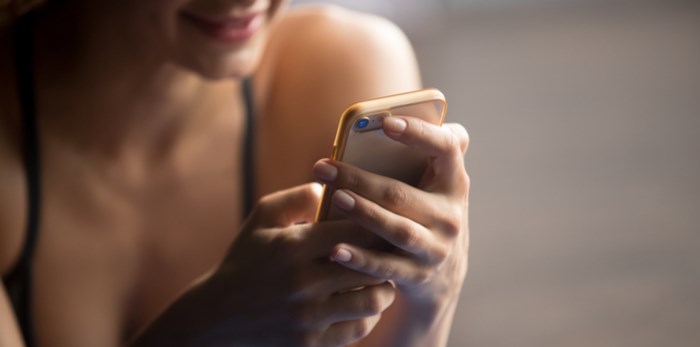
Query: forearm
x,y
172,328
185,323
9,331
413,324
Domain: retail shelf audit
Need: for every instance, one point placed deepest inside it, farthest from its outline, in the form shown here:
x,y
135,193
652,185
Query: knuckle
x,y
461,135
464,138
440,254
466,181
395,194
421,277
462,180
452,142
373,215
388,271
352,179
407,235
266,199
451,216
420,128
452,228
362,328
263,204
370,266
372,304
452,222
464,142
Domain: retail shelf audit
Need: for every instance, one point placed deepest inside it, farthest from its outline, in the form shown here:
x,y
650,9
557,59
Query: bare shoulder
x,y
331,46
12,197
319,60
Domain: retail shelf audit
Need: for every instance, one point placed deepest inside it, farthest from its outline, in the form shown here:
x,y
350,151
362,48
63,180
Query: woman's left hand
x,y
428,224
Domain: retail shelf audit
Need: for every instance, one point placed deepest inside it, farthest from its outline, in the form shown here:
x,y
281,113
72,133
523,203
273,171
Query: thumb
x,y
287,207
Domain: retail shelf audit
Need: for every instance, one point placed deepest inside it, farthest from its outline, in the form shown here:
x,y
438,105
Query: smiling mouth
x,y
229,30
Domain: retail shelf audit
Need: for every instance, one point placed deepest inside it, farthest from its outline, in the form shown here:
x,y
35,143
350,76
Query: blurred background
x,y
585,159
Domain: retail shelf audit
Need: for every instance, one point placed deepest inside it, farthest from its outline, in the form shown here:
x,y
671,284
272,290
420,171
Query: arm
x,y
11,237
276,286
12,201
11,210
428,225
355,57
9,332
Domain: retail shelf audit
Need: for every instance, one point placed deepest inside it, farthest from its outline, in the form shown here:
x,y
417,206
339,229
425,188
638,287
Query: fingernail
x,y
325,172
342,255
343,200
394,125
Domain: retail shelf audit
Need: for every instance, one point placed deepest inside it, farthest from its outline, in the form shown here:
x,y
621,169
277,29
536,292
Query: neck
x,y
114,95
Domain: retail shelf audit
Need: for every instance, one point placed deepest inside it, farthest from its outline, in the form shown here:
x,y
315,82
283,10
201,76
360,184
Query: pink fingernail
x,y
395,125
325,172
343,255
343,200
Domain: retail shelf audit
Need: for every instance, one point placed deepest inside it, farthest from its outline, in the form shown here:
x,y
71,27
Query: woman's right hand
x,y
277,286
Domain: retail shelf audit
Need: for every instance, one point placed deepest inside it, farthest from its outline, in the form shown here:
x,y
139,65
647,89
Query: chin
x,y
230,67
238,63
216,51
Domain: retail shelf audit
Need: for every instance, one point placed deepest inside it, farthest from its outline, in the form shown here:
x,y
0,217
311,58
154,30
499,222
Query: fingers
x,y
394,195
400,231
332,277
346,317
287,207
430,138
391,267
446,145
324,236
461,133
445,175
357,304
423,207
345,333
445,184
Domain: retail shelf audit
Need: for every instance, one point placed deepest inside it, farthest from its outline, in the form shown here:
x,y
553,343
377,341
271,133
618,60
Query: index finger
x,y
433,139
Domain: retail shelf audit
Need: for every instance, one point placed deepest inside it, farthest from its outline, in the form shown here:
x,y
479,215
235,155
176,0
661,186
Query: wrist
x,y
424,321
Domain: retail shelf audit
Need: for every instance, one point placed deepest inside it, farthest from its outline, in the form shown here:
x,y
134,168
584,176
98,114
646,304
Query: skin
x,y
142,240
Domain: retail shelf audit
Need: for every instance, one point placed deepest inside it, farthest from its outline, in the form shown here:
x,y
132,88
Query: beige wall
x,y
585,160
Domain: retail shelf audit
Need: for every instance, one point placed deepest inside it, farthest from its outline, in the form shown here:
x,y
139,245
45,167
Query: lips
x,y
230,29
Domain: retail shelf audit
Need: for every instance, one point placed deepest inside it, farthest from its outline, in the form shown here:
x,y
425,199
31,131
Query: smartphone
x,y
360,140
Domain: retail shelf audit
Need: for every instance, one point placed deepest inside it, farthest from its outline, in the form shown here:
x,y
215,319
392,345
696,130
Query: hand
x,y
277,286
428,224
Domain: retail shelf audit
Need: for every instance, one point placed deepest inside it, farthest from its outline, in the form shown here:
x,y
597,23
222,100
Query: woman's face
x,y
215,38
220,38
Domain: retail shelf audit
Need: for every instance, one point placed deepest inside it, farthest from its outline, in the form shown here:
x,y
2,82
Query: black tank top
x,y
19,280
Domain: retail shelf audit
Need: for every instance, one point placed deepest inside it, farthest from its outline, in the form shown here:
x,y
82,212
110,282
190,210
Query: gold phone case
x,y
370,149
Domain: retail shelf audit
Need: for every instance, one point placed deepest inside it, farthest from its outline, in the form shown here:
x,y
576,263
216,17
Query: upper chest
x,y
118,242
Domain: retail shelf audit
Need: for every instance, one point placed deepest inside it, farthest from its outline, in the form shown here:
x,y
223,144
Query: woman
x,y
128,156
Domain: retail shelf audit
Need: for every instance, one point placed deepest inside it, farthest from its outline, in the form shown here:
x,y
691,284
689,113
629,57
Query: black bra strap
x,y
20,279
248,149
